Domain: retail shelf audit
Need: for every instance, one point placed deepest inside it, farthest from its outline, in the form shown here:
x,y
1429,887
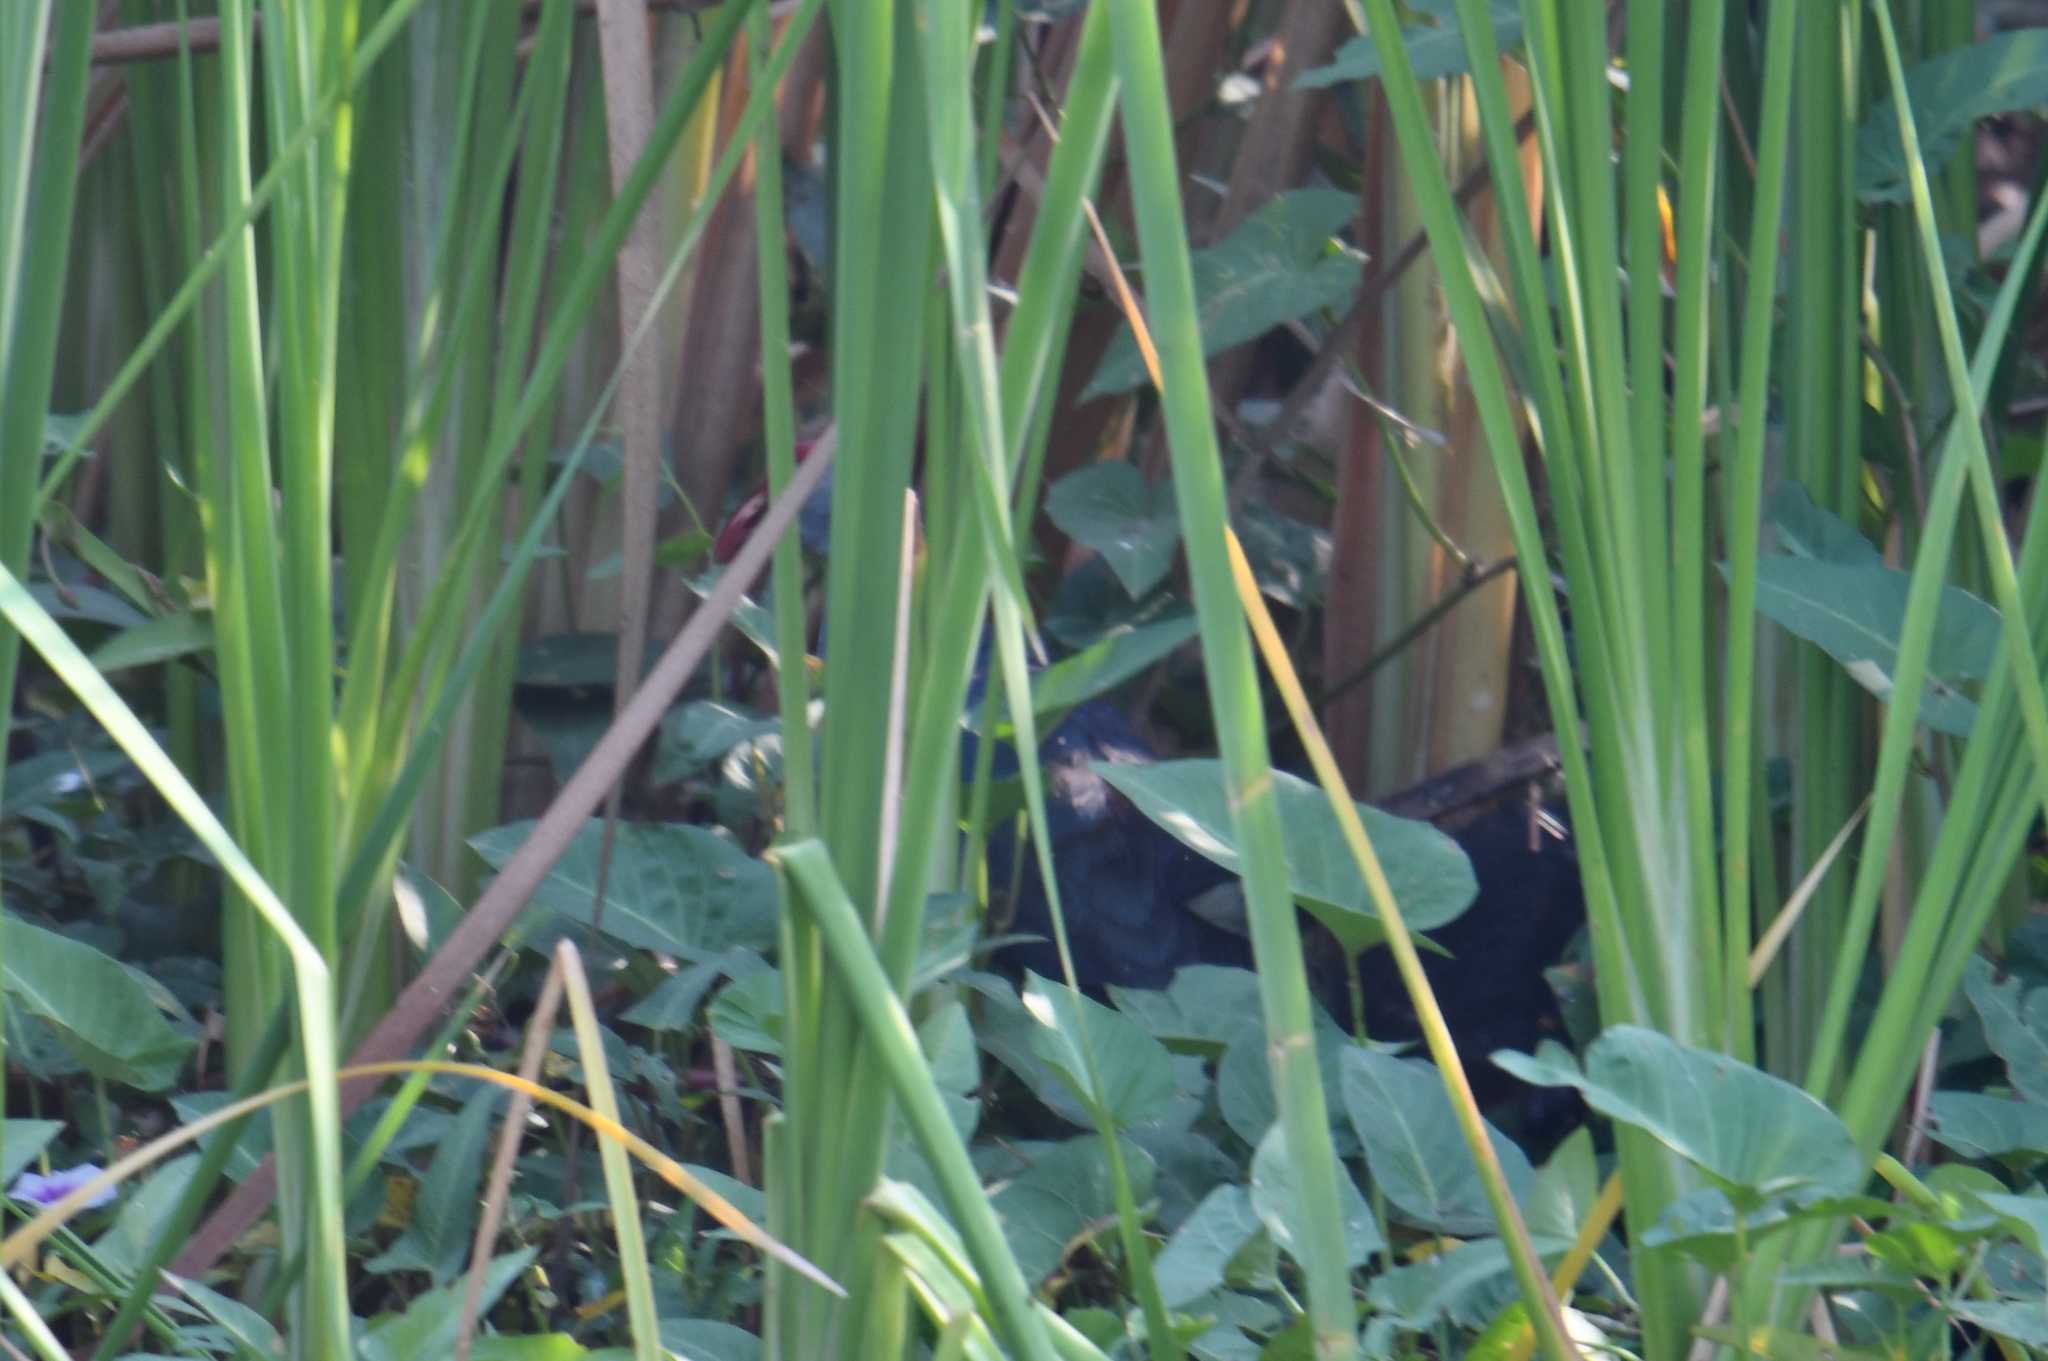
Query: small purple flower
x,y
41,1190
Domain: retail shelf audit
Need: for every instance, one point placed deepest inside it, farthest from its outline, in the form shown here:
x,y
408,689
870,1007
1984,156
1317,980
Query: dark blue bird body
x,y
1127,886
1140,905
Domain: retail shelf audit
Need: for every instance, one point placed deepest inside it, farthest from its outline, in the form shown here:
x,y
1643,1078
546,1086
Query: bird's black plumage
x,y
1127,885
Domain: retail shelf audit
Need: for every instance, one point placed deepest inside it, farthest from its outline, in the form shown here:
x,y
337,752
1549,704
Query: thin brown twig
x,y
540,1032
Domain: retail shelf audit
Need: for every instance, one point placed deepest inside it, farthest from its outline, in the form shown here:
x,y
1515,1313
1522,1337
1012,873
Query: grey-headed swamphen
x,y
1125,883
1135,896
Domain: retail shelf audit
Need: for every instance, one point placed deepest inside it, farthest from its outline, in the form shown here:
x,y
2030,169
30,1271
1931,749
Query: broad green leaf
x,y
1979,1126
2015,1026
1805,530
1855,612
427,1327
254,1143
1949,93
2021,1321
445,1210
947,1039
704,1339
1190,1164
86,604
686,890
249,1329
1929,1251
438,1238
1290,558
1434,50
1132,523
570,661
1566,1188
143,1214
1090,604
163,639
1413,1147
1703,1224
53,776
747,1013
1062,1189
1098,668
1009,1034
1197,1255
62,429
1206,1008
2027,1216
1467,1286
701,732
673,1003
1276,1199
754,620
101,1015
1244,1081
20,1142
1134,1070
1280,264
1755,1134
1431,878
750,1201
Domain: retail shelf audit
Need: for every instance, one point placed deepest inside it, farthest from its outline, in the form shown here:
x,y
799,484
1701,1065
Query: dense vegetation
x,y
460,899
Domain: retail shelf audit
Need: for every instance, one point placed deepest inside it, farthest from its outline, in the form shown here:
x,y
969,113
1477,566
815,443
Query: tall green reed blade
x,y
823,898
21,78
778,403
1033,340
2017,639
1962,465
162,155
325,1331
224,247
270,561
236,513
889,180
1665,948
1823,402
1743,478
1698,198
38,182
947,49
1233,684
494,117
374,849
477,765
882,281
1996,793
38,179
1965,458
422,665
